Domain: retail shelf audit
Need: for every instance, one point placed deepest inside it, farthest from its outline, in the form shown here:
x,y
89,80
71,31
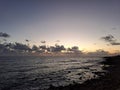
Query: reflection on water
x,y
33,73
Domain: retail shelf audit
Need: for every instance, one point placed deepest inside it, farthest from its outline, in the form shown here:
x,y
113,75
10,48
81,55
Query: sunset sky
x,y
73,22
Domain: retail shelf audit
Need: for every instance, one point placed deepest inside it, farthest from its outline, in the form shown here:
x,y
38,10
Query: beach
x,y
109,81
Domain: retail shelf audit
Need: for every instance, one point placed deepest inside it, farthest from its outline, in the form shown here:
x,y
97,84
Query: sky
x,y
83,23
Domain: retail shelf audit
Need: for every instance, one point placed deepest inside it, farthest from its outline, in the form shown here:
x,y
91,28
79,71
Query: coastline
x,y
109,81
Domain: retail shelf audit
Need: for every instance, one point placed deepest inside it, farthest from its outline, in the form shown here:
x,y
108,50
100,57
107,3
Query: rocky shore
x,y
109,81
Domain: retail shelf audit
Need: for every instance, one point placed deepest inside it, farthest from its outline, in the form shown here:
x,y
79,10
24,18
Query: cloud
x,y
99,52
20,46
27,40
5,35
110,39
115,43
43,41
114,28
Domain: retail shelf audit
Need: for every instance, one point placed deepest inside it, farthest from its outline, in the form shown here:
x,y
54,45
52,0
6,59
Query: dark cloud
x,y
42,47
115,43
5,35
56,48
20,46
43,41
35,48
27,40
110,39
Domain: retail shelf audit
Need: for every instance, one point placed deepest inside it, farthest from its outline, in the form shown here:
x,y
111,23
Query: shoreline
x,y
109,81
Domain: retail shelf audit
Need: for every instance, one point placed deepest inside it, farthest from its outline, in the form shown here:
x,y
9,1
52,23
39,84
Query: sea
x,y
39,73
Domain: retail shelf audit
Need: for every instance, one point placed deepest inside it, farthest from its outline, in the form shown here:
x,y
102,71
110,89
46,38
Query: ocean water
x,y
37,73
